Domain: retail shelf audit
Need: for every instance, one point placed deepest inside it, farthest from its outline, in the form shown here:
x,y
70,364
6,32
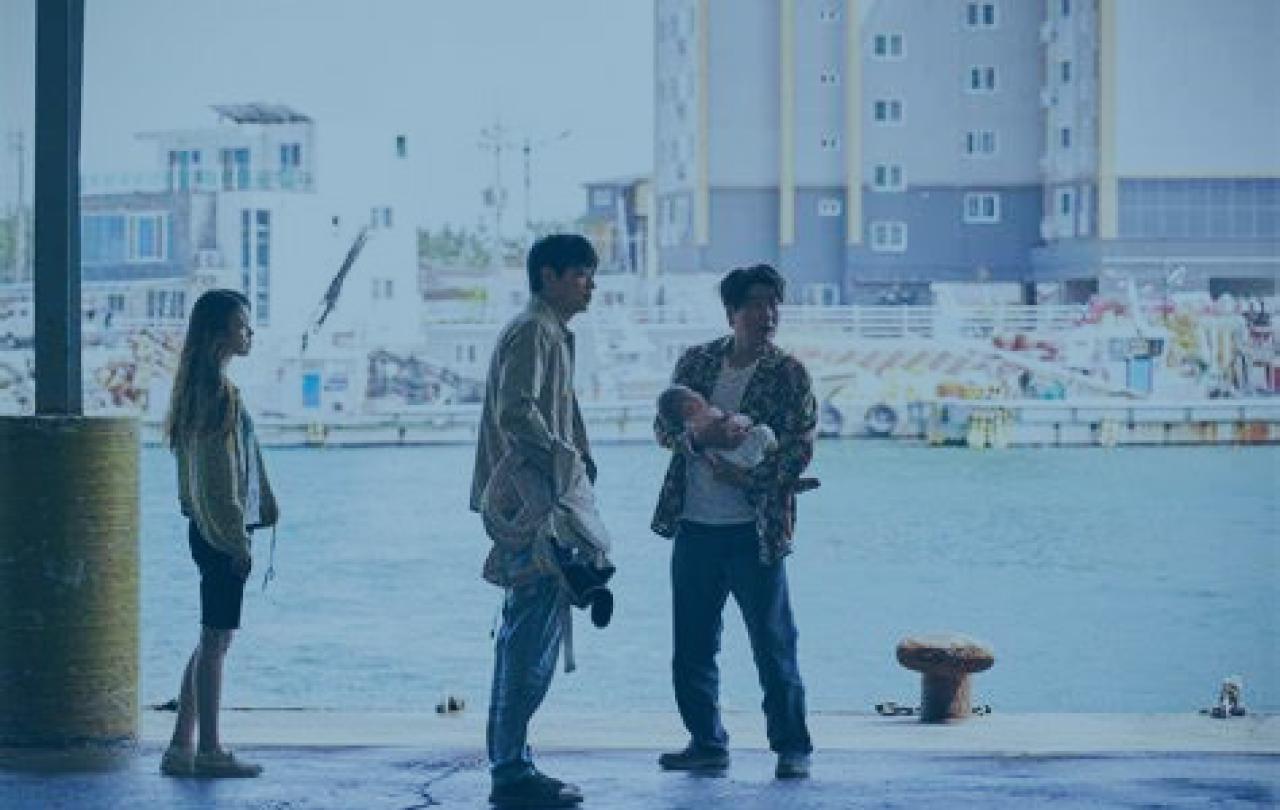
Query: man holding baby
x,y
732,519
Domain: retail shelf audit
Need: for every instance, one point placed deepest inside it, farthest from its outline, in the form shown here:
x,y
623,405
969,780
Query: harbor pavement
x,y
414,761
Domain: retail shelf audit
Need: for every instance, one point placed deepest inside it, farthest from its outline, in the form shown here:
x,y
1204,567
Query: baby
x,y
681,405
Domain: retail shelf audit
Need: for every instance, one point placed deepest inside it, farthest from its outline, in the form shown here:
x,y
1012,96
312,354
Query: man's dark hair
x,y
734,286
559,251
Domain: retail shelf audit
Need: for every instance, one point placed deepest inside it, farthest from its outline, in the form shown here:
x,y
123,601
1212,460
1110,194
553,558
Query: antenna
x,y
529,146
494,139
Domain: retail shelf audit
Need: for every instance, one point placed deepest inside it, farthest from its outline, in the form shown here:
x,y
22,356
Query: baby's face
x,y
694,407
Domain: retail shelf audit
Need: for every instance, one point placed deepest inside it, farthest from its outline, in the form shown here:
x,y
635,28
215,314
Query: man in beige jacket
x,y
530,405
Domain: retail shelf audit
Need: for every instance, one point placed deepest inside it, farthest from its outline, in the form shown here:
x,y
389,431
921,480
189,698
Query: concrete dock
x,y
403,760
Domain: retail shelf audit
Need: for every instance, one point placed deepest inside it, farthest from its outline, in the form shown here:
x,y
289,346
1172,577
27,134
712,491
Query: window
x,y
246,240
829,77
255,244
982,79
380,216
1066,202
886,46
182,165
290,155
821,294
290,164
1064,71
980,15
887,177
981,208
830,142
235,169
166,304
980,142
830,207
888,237
148,237
1064,137
1065,8
263,238
1064,208
103,238
829,15
887,111
603,197
115,302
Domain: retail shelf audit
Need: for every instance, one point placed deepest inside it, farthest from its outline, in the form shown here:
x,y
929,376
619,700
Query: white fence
x,y
888,322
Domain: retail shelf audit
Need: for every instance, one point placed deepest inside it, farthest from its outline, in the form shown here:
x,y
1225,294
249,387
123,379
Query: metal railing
x,y
890,322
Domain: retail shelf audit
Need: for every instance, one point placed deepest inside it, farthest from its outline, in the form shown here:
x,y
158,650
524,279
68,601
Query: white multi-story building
x,y
238,205
881,150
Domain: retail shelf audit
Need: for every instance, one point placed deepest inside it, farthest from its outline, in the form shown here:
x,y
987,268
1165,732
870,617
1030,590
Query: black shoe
x,y
535,790
792,766
694,758
601,607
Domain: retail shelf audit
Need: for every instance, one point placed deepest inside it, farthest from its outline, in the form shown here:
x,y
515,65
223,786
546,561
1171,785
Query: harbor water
x,y
1107,580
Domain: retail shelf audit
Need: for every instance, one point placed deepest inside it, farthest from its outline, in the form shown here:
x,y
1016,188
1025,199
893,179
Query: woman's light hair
x,y
201,400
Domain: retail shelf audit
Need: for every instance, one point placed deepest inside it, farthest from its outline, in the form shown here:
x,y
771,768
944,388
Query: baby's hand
x,y
735,433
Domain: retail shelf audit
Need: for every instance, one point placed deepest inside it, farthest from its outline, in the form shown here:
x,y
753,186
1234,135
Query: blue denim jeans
x,y
707,564
525,653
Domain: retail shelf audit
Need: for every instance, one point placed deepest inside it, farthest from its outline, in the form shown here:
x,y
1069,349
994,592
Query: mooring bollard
x,y
945,662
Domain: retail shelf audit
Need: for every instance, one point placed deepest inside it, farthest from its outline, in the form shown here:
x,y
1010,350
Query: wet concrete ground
x,y
401,779
406,761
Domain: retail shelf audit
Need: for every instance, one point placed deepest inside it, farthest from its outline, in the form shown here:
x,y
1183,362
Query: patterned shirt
x,y
780,395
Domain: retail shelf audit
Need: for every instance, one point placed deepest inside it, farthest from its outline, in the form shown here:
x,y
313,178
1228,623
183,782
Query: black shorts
x,y
221,588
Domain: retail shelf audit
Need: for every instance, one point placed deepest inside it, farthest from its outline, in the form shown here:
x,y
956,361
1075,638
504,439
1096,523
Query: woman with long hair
x,y
224,492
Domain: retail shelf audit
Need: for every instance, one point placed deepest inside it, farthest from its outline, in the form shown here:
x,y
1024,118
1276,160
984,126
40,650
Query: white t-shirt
x,y
706,499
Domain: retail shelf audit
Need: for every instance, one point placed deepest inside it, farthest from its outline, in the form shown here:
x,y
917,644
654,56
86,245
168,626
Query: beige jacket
x,y
213,484
530,403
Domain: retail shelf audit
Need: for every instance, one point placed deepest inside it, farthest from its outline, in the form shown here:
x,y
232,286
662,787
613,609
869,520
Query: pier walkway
x,y
404,760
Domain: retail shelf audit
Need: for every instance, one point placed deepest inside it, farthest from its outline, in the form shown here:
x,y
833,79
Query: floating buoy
x,y
880,420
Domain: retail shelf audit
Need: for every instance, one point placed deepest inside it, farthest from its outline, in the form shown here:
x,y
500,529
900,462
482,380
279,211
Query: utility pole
x,y
528,173
494,139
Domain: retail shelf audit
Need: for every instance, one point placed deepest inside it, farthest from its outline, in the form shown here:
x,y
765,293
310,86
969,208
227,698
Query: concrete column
x,y
68,484
59,69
